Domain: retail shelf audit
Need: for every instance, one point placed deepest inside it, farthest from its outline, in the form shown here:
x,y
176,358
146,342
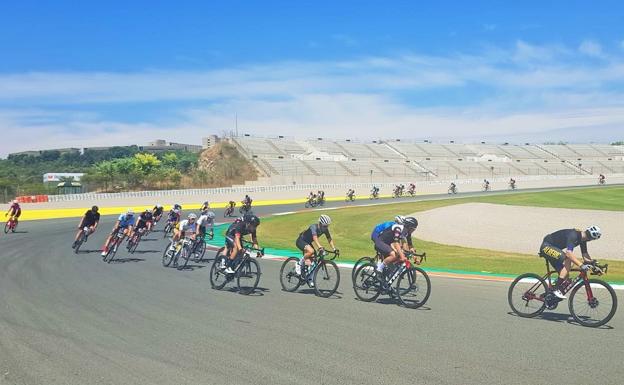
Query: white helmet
x,y
325,220
159,206
210,215
130,212
399,219
594,232
192,216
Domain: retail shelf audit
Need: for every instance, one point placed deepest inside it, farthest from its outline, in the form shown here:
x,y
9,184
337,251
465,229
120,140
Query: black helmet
x,y
410,222
251,219
94,209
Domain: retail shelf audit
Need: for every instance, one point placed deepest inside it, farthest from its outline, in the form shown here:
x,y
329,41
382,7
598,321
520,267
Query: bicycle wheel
x,y
326,279
526,295
218,278
7,227
359,263
167,257
112,250
166,230
366,284
81,240
185,255
134,245
288,278
199,251
248,276
413,288
595,303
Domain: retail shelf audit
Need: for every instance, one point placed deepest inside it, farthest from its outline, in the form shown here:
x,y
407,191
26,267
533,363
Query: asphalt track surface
x,y
72,319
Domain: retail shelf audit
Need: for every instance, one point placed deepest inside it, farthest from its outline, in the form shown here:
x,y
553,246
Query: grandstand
x,y
283,159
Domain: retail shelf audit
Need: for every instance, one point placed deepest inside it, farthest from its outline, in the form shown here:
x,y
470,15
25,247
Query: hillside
x,y
223,165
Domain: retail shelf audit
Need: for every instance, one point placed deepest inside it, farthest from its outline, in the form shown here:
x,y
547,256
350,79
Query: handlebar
x,y
335,254
418,258
249,246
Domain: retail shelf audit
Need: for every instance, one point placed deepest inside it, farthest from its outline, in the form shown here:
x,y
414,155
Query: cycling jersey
x,y
567,239
126,220
143,219
379,228
157,211
238,228
187,227
395,233
91,218
173,216
15,210
204,221
312,231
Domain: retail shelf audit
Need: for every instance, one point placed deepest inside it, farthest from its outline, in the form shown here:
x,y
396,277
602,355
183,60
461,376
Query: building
x,y
160,145
210,141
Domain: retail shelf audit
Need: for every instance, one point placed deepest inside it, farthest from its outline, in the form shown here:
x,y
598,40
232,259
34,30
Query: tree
x,y
146,163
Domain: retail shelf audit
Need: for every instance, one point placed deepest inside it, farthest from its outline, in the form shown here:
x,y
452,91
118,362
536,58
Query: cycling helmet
x,y
159,206
325,220
177,206
94,209
251,219
206,203
410,222
130,212
400,219
192,216
594,232
210,215
15,201
148,210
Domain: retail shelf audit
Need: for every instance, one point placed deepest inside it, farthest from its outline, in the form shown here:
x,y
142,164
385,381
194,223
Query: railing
x,y
299,187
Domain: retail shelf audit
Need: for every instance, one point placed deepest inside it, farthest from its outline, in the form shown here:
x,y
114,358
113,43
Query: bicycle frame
x,y
318,259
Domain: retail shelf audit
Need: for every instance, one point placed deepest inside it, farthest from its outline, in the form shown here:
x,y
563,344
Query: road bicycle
x,y
592,302
311,202
168,228
229,210
407,283
323,275
244,208
412,193
452,190
350,198
416,258
84,236
181,251
199,247
246,271
373,195
112,246
512,186
485,187
133,242
11,225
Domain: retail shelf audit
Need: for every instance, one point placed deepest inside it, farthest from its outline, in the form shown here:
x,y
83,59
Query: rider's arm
x,y
584,252
254,240
82,221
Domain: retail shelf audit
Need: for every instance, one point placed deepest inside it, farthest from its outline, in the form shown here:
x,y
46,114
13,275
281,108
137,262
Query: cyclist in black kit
x,y
310,237
389,242
557,249
233,236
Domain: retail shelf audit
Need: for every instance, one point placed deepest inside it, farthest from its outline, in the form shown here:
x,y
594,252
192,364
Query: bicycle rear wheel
x,y
413,288
359,263
366,283
596,309
288,277
7,227
218,278
167,257
81,240
112,250
326,279
185,254
526,295
248,277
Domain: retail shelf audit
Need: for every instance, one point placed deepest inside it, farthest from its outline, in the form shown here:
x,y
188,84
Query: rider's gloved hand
x,y
321,250
585,267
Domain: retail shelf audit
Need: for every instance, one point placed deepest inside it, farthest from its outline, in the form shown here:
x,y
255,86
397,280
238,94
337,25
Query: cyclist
x,y
512,183
486,185
144,221
14,211
601,179
233,236
157,212
125,222
174,215
312,197
309,238
185,229
205,206
452,188
205,219
351,194
231,205
247,203
412,189
389,242
557,249
90,219
320,196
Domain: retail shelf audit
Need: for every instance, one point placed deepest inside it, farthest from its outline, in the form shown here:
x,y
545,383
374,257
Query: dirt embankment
x,y
518,228
223,165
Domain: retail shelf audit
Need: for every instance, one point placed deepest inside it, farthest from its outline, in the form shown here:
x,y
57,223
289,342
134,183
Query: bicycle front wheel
x,y
7,227
288,276
167,257
366,283
248,277
185,254
326,279
593,304
413,288
526,295
359,263
218,278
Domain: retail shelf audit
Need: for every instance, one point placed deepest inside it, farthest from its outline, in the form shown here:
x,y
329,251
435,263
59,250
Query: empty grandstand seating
x,y
345,158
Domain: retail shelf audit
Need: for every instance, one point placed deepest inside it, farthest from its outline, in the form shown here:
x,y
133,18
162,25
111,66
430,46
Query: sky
x,y
76,74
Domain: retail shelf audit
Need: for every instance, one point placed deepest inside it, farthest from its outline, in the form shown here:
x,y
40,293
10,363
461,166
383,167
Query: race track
x,y
72,319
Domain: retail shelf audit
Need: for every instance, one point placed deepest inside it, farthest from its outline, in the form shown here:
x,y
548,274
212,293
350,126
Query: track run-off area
x,y
70,318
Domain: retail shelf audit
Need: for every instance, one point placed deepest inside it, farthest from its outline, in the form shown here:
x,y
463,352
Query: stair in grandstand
x,y
566,162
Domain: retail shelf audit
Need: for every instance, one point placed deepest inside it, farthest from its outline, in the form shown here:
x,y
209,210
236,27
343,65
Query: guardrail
x,y
299,187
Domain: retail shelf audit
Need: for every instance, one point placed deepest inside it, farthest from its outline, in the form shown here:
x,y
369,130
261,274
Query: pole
x,y
236,123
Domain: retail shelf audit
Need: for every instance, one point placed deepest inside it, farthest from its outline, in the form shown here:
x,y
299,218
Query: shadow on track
x,y
559,318
310,291
127,260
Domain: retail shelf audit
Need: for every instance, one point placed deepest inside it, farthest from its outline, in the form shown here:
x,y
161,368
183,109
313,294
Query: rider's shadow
x,y
127,260
560,318
190,267
258,292
395,302
146,251
310,291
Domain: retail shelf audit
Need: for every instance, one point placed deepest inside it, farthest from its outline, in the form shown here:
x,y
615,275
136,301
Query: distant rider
x,y
90,219
157,212
124,223
14,211
601,179
205,221
186,228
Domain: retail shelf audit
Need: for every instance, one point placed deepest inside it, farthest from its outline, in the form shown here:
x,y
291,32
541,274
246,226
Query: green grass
x,y
352,226
599,198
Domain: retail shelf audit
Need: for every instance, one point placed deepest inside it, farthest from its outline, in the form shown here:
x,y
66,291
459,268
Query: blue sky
x,y
83,73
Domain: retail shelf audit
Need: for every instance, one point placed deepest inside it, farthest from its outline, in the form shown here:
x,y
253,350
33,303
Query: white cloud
x,y
526,90
591,48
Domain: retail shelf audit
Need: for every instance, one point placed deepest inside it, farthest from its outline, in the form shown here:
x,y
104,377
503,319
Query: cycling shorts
x,y
301,243
381,247
554,255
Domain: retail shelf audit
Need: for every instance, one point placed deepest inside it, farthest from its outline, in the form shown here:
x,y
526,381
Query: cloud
x,y
525,90
591,48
